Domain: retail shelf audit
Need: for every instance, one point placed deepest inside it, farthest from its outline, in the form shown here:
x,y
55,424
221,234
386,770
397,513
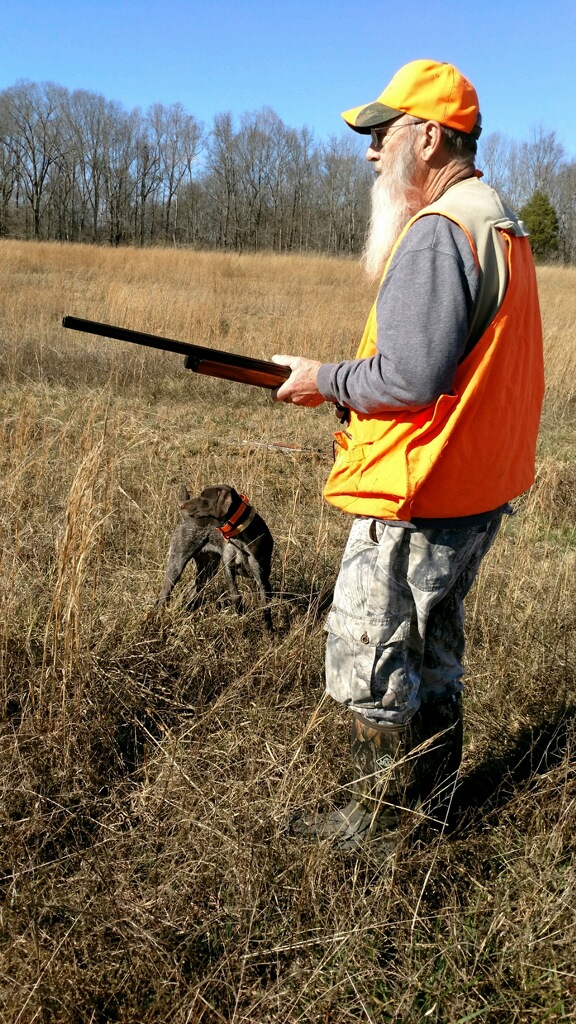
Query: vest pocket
x,y
349,459
347,451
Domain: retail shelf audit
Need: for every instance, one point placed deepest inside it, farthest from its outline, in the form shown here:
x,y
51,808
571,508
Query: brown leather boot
x,y
383,784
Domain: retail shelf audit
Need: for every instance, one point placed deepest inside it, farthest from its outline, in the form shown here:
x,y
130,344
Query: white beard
x,y
394,202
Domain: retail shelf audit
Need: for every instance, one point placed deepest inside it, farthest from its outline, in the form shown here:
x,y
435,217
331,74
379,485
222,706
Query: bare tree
x,y
221,183
259,158
494,153
564,200
147,179
301,187
33,138
344,182
541,158
177,138
90,123
119,176
8,167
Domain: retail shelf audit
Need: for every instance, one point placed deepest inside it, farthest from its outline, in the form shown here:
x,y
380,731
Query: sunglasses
x,y
379,135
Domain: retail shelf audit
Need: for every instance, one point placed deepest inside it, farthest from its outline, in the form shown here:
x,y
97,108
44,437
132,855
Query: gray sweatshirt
x,y
424,308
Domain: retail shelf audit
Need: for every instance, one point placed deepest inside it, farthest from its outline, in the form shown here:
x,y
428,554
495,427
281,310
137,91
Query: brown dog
x,y
220,526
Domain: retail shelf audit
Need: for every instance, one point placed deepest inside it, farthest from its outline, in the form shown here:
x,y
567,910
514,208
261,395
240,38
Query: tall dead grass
x,y
149,770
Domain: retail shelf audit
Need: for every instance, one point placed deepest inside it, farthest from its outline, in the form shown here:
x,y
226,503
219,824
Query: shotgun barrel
x,y
211,362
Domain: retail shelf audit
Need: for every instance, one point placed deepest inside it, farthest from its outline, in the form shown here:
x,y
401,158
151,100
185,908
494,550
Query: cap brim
x,y
371,115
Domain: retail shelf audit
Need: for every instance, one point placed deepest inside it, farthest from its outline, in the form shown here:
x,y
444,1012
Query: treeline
x,y
537,179
75,166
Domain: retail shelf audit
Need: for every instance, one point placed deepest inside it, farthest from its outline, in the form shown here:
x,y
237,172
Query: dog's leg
x,y
230,564
261,574
207,563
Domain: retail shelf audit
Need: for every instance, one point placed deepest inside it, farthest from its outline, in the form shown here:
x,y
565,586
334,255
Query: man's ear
x,y
432,140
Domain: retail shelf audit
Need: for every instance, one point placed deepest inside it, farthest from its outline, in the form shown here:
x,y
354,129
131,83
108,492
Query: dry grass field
x,y
149,769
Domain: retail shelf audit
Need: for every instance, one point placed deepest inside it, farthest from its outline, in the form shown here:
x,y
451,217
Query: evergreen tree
x,y
541,221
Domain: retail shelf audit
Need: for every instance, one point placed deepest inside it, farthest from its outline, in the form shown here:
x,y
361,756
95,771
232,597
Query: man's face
x,y
395,197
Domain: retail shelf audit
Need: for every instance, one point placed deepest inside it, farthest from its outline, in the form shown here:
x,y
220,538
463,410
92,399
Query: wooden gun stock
x,y
262,373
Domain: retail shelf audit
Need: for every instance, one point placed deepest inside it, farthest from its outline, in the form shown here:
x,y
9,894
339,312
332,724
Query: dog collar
x,y
241,517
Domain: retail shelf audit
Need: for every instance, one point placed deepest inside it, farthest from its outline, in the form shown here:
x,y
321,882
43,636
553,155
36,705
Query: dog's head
x,y
213,503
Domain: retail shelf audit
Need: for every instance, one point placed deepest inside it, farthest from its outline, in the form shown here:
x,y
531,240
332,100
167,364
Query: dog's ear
x,y
184,496
224,501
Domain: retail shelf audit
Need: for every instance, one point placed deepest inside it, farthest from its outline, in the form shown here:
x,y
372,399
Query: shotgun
x,y
212,362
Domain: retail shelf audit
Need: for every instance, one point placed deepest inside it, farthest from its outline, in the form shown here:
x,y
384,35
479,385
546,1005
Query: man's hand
x,y
300,388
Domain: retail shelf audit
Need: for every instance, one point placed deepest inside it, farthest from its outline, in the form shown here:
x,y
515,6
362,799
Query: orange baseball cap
x,y
427,89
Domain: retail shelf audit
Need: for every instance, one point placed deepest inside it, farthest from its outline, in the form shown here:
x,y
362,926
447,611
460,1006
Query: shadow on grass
x,y
490,786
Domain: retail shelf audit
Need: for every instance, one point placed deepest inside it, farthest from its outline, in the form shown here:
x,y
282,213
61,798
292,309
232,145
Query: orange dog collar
x,y
241,517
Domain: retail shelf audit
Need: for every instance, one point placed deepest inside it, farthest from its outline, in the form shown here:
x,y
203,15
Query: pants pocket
x,y
366,658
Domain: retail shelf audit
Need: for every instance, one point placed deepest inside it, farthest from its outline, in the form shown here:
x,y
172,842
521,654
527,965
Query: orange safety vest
x,y
473,449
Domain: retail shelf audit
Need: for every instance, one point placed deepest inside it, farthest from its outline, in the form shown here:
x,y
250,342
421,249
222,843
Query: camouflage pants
x,y
396,627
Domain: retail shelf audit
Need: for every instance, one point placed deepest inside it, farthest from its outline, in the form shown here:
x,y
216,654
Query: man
x,y
440,411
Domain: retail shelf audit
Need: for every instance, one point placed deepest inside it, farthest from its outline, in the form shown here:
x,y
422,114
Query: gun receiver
x,y
212,362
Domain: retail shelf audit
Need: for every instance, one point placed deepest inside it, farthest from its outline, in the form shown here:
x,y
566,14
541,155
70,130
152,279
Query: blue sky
x,y
307,59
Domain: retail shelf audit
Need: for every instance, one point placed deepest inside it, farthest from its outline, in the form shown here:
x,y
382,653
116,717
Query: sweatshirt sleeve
x,y
423,311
